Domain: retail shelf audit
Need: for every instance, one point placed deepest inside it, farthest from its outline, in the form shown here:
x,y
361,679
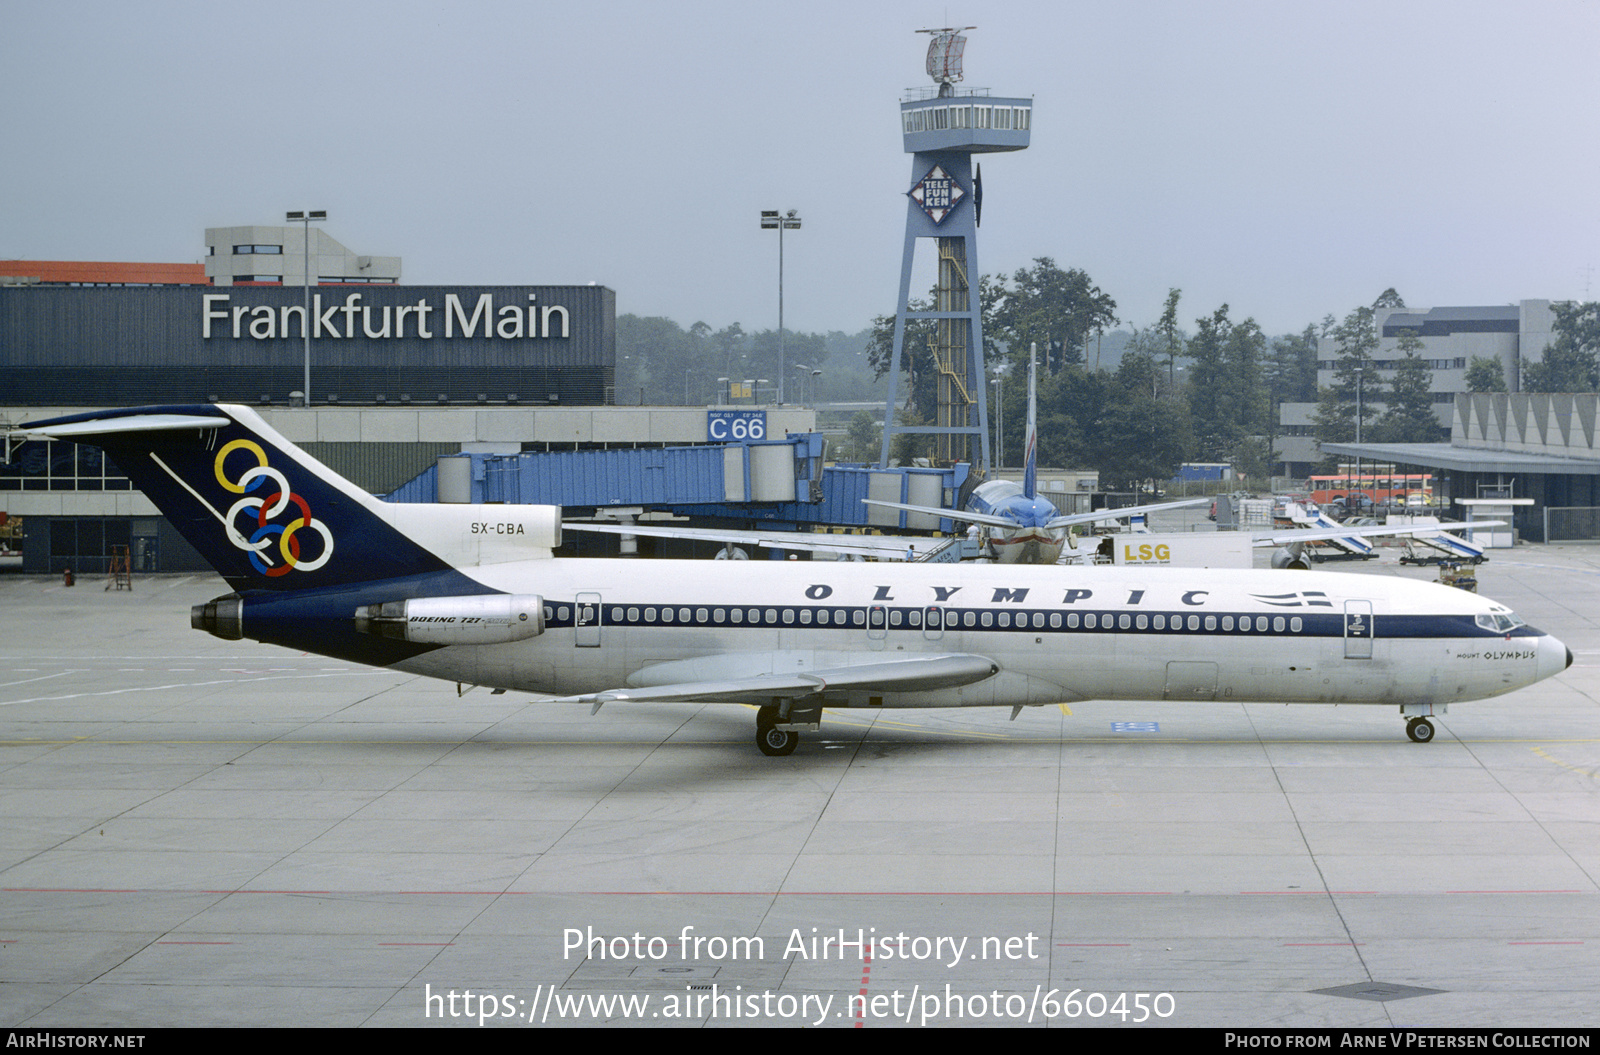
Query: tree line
x,y
1206,392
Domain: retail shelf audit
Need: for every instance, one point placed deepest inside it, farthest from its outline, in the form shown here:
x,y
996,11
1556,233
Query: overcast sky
x,y
1289,159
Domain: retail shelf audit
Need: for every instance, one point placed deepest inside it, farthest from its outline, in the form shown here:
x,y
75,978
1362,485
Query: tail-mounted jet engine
x,y
488,619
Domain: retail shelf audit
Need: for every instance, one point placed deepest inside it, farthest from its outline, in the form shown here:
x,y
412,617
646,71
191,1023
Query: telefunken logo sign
x,y
266,323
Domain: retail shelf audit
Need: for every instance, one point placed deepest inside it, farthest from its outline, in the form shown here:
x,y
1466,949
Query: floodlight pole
x,y
1360,371
999,431
770,220
305,219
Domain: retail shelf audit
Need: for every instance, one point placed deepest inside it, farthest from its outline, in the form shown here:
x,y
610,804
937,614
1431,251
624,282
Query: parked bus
x,y
1379,488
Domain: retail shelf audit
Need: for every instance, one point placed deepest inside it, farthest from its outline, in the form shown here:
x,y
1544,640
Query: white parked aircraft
x,y
472,594
1351,543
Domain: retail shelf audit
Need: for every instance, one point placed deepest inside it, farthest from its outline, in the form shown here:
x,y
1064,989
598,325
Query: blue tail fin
x,y
265,514
1030,468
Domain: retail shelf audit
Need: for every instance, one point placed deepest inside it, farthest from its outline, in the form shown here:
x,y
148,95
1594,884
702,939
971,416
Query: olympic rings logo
x,y
260,510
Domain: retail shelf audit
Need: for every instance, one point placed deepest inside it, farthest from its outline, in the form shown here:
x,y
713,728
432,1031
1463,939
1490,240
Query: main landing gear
x,y
1420,730
774,742
778,726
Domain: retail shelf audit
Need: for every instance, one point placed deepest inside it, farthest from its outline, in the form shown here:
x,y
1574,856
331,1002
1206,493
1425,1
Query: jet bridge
x,y
782,483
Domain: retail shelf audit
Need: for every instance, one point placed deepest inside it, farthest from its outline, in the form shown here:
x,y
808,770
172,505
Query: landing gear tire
x,y
774,742
1420,730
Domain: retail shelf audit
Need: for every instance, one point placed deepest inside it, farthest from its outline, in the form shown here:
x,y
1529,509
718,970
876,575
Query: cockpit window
x,y
1499,623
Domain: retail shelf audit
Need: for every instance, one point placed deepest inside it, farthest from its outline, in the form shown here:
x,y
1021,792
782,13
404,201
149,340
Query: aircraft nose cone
x,y
1554,657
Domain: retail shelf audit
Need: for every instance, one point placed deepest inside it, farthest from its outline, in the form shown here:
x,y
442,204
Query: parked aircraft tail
x,y
1030,466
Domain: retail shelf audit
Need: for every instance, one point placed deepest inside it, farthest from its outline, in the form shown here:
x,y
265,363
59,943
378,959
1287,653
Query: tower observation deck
x,y
943,127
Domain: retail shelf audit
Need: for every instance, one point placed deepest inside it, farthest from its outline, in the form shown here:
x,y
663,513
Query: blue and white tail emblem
x,y
274,540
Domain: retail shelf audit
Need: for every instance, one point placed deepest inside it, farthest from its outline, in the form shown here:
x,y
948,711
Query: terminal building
x,y
1511,334
400,376
1534,452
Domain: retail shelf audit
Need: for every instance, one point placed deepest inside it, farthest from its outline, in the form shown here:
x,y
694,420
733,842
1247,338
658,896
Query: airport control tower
x,y
943,127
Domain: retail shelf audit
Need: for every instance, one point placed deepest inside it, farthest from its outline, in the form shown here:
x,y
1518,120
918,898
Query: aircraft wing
x,y
1291,536
887,547
910,674
1118,514
990,520
960,515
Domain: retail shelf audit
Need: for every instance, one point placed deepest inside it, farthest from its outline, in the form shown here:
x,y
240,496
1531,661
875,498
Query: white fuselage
x,y
1056,634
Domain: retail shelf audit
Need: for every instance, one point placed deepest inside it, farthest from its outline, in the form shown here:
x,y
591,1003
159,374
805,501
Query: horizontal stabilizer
x,y
83,426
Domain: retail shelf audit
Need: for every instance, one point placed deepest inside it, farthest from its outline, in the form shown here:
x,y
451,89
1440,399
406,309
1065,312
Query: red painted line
x,y
1515,891
1093,945
1544,943
1321,944
422,944
866,977
194,943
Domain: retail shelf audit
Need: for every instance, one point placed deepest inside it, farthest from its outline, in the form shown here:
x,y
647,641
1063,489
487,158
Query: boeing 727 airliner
x,y
473,594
